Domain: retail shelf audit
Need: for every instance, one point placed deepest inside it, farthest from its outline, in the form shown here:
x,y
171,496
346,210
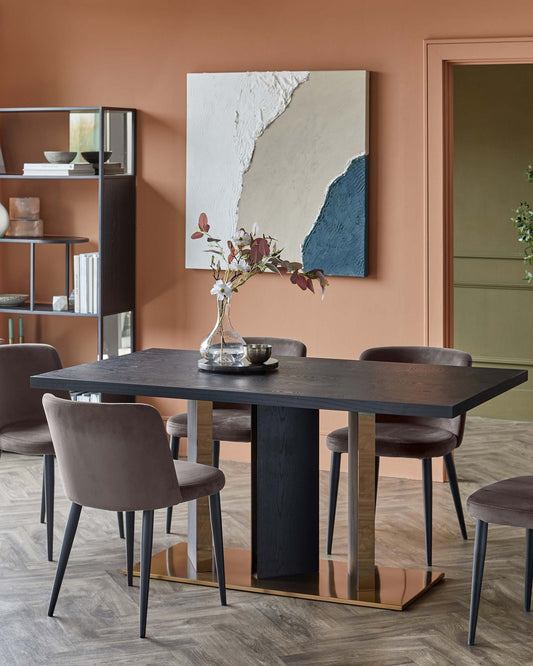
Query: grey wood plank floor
x,y
97,614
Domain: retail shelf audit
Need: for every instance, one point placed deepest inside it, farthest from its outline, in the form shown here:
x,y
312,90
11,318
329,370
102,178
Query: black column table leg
x,y
285,524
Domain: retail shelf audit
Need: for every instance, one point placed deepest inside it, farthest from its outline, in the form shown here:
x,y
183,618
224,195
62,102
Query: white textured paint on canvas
x,y
226,114
287,151
311,145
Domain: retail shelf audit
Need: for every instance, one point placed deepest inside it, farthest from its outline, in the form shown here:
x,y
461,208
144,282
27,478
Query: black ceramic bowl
x,y
92,156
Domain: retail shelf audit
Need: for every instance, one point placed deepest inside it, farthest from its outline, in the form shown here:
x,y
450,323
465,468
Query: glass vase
x,y
223,345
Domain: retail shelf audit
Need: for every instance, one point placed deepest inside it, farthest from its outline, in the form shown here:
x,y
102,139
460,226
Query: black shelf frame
x,y
21,176
46,309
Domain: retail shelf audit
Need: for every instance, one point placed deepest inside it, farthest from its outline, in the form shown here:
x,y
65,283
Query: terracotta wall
x,y
136,53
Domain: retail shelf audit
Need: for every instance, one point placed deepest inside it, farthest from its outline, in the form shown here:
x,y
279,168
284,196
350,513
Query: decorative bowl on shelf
x,y
59,156
93,156
10,300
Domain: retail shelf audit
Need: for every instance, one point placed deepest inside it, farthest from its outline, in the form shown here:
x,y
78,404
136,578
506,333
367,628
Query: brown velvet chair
x,y
23,427
231,422
408,437
508,502
116,457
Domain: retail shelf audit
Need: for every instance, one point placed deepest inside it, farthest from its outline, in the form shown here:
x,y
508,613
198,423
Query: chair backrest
x,y
280,347
18,401
431,356
112,456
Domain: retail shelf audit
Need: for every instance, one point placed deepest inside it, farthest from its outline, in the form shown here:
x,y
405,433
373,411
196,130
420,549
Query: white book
x,y
49,166
58,172
90,283
76,270
83,283
96,259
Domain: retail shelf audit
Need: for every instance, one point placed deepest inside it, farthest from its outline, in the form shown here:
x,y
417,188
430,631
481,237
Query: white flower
x,y
241,238
240,266
222,290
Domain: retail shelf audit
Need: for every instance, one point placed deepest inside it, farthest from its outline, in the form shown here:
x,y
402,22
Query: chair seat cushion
x,y
229,425
508,502
28,437
198,480
401,440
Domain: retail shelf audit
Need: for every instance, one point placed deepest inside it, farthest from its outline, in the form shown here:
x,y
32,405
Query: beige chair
x,y
508,502
408,437
116,457
231,422
23,427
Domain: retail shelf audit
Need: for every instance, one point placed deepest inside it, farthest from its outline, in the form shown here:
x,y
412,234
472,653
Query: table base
x,y
395,588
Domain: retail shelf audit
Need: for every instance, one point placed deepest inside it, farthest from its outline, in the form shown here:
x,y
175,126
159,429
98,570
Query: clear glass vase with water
x,y
223,345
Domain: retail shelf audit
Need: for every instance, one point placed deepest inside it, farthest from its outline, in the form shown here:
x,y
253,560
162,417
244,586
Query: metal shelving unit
x,y
116,229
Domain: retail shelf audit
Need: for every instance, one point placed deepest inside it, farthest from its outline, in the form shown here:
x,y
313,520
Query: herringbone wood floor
x,y
97,614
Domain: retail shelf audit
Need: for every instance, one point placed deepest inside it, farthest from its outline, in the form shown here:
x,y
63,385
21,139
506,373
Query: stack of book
x,y
53,169
86,282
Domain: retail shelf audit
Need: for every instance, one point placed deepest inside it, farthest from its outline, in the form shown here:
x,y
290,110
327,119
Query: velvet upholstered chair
x,y
508,502
231,422
116,457
23,427
408,437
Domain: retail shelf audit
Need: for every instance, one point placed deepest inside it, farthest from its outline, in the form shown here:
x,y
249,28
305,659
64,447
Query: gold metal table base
x,y
394,588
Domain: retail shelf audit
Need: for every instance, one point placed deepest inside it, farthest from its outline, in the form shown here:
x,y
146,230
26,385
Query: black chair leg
x,y
146,561
454,487
427,480
376,479
480,548
175,447
120,518
216,529
130,529
333,492
49,482
43,500
174,450
70,532
216,453
529,569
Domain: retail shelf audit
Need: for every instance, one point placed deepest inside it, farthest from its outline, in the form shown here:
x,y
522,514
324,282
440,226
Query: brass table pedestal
x,y
394,588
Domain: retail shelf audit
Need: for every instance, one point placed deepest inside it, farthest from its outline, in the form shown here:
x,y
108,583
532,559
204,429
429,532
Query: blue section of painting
x,y
338,241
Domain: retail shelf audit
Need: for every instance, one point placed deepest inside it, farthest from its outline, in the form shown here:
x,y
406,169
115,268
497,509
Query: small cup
x,y
258,354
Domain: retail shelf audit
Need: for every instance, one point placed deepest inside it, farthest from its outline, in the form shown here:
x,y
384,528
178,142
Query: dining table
x,y
284,557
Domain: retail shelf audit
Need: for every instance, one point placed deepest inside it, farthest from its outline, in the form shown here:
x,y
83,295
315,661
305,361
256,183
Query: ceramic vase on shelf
x,y
223,345
4,221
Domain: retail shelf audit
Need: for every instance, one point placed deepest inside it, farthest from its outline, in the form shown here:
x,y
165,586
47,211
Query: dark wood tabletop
x,y
312,383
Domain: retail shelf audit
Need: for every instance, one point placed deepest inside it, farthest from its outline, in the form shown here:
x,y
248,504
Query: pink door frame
x,y
440,56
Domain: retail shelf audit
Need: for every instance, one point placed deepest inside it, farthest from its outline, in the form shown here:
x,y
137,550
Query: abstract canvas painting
x,y
287,151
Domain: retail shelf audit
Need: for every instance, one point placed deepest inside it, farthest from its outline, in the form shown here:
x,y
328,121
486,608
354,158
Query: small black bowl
x,y
93,156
